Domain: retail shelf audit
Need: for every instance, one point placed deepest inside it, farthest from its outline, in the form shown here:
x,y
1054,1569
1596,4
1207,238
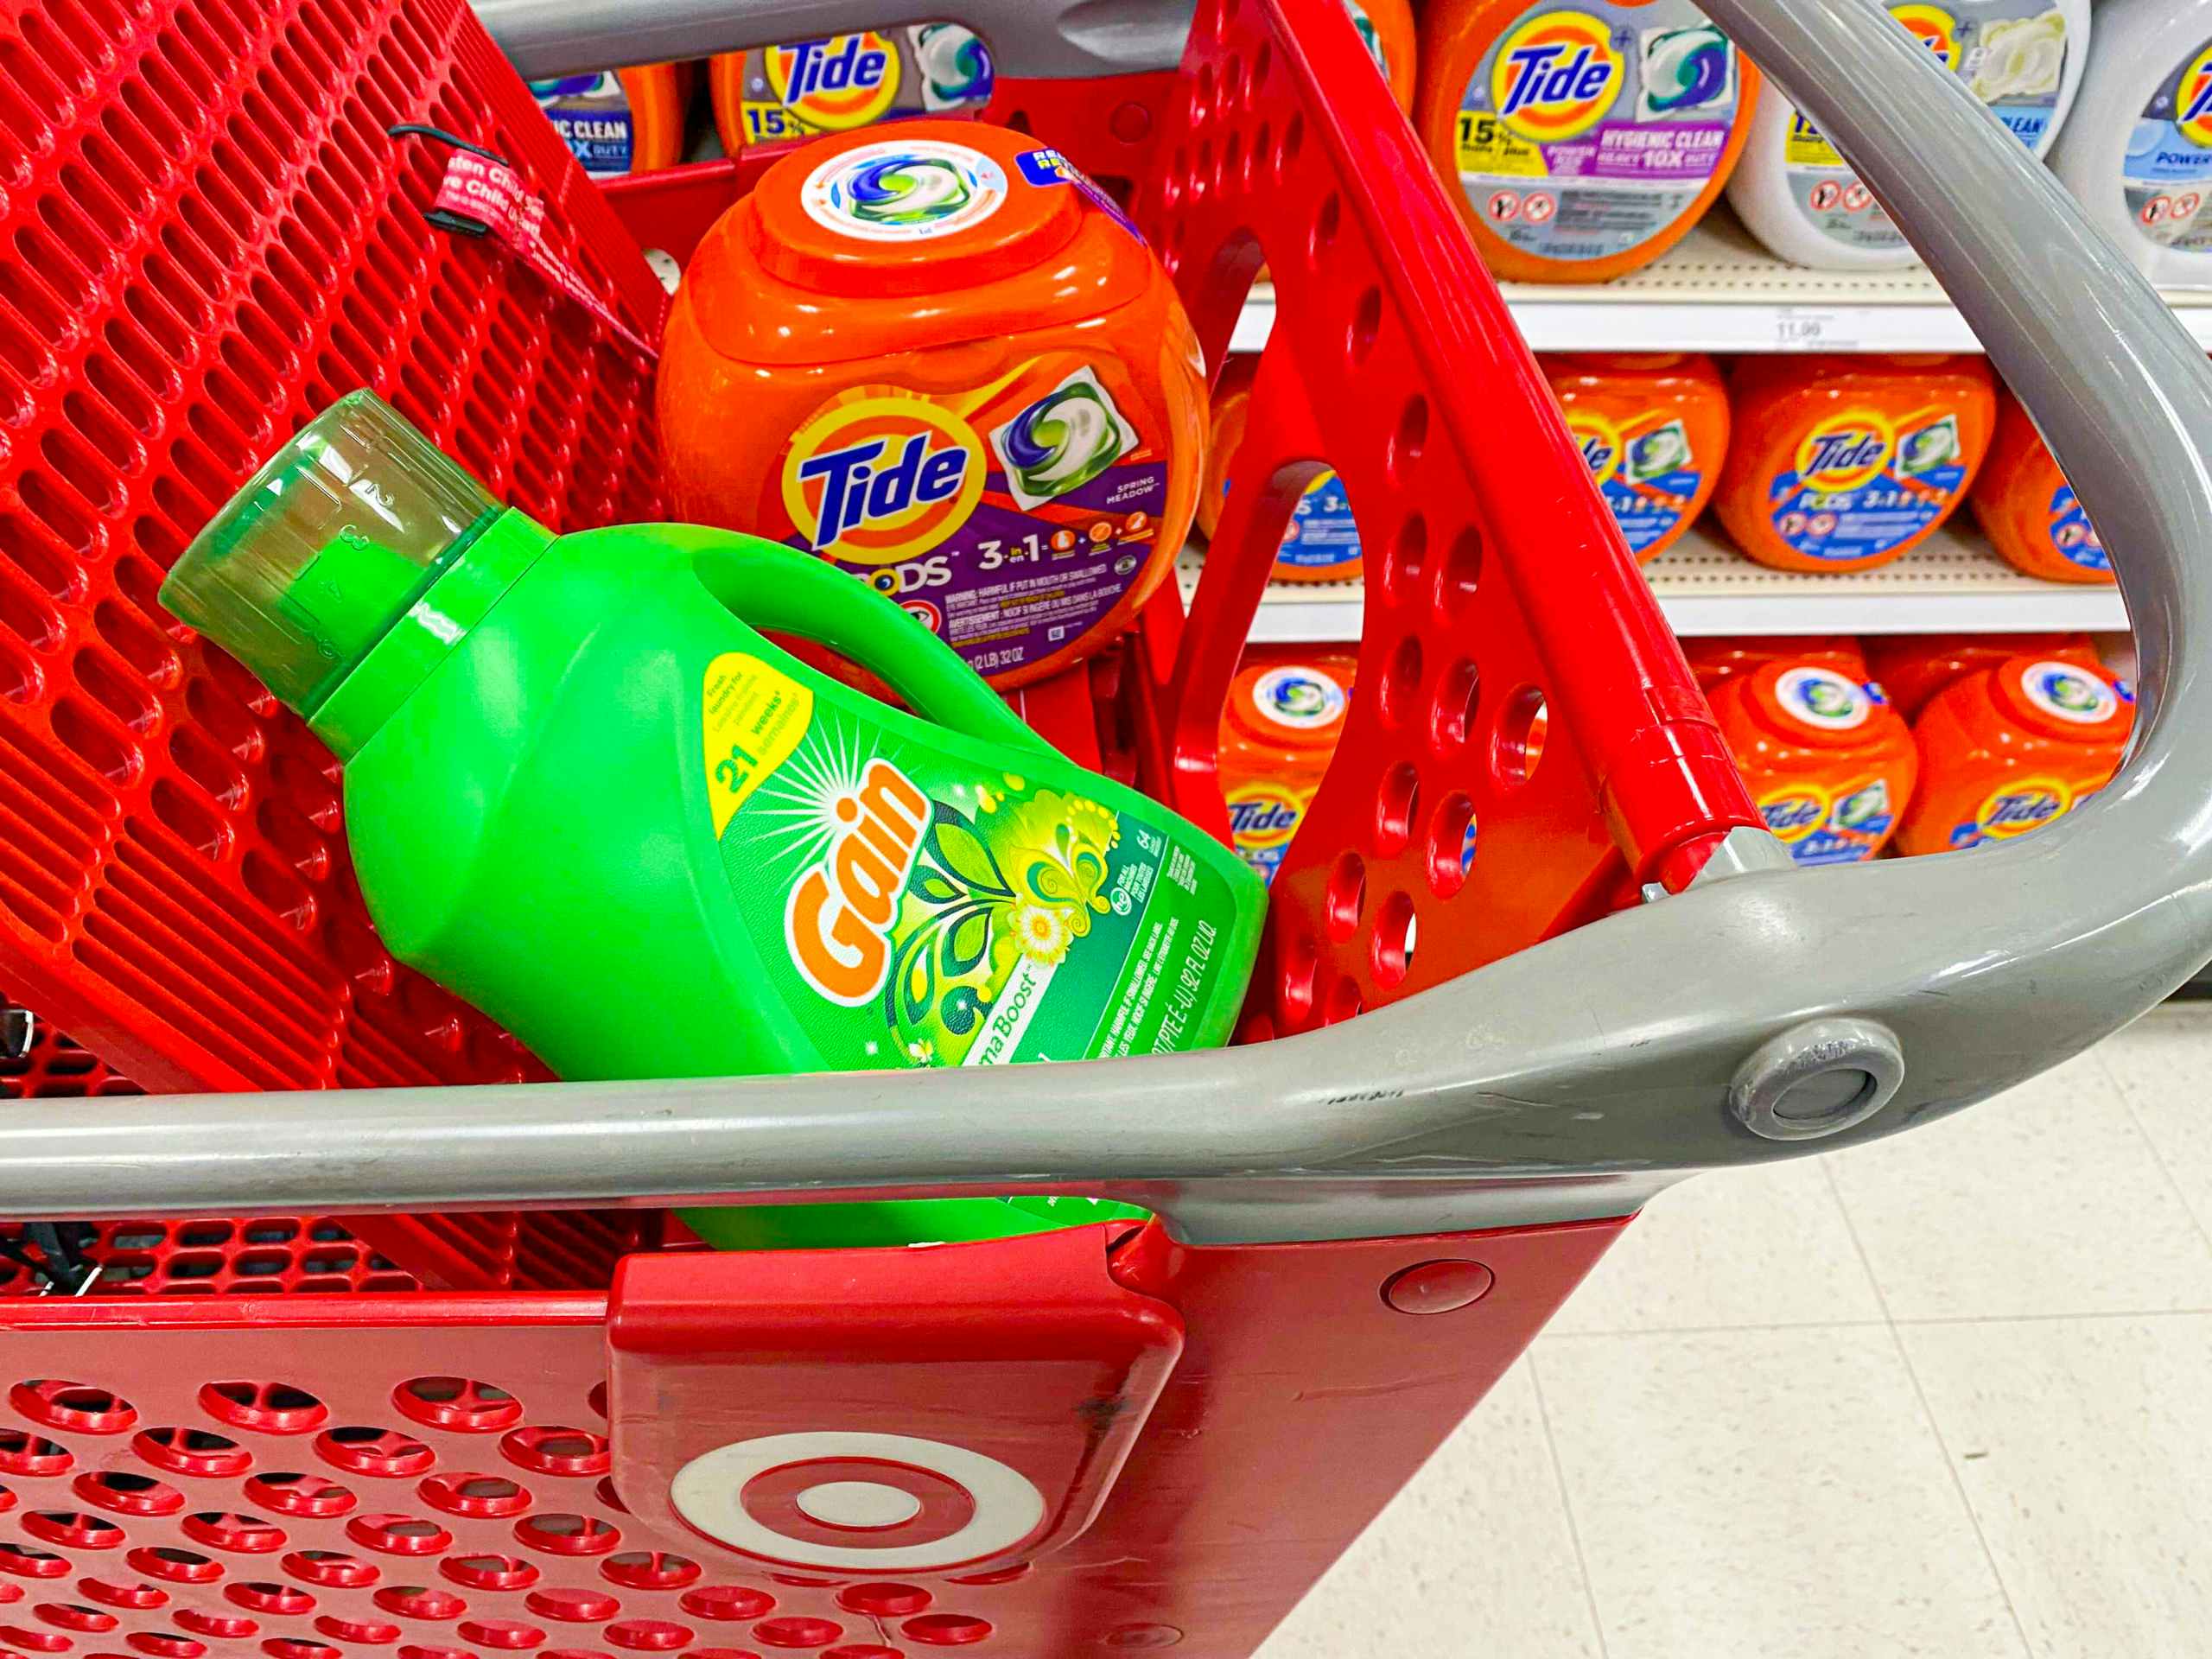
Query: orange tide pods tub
x,y
1586,136
1654,429
1844,463
2028,509
939,357
2009,749
1285,714
1912,668
1828,762
1715,659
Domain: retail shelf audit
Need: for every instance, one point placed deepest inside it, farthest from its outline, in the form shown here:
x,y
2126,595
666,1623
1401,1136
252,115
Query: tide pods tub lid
x,y
917,234
2062,701
1813,704
1293,705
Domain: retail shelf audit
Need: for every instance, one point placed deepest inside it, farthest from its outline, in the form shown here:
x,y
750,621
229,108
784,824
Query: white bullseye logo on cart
x,y
848,1499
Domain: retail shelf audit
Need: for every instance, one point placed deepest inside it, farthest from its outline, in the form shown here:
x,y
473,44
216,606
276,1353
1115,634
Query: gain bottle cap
x,y
940,358
326,548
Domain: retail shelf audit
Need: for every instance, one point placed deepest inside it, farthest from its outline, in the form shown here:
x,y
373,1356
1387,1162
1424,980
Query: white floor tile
x,y
2085,1446
2046,1200
2163,1065
1474,1557
1739,1495
1755,1247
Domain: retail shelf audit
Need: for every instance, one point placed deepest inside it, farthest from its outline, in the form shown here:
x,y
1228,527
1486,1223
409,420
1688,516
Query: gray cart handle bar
x,y
1765,1011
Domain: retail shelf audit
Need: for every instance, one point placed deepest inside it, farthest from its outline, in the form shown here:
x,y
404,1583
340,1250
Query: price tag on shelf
x,y
1801,329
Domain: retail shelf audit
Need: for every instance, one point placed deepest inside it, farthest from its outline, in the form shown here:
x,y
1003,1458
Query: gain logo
x,y
1557,76
1794,813
845,81
2193,101
882,476
837,921
1845,451
1935,28
1600,442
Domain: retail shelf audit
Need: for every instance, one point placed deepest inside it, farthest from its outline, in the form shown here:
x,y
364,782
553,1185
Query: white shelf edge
x,y
1954,584
1719,292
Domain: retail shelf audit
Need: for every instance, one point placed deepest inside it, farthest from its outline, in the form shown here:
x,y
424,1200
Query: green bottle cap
x,y
326,547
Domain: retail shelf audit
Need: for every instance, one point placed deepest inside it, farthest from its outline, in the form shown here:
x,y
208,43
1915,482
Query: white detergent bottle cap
x,y
2025,58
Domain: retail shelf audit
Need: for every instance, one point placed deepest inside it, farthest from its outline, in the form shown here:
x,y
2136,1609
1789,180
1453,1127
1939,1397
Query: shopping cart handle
x,y
1040,40
1762,1012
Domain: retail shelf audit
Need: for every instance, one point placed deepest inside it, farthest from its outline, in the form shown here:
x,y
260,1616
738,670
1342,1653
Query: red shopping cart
x,y
1113,1438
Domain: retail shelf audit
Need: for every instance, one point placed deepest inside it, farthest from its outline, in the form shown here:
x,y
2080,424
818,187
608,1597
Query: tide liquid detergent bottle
x,y
1843,463
844,81
620,121
1588,136
1654,429
2023,58
577,763
2138,155
1321,542
1828,762
2009,749
1715,659
1285,712
942,360
2029,511
1911,668
1386,29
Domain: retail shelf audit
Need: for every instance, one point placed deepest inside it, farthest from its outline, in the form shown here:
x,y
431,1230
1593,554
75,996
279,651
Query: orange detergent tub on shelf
x,y
837,83
1719,659
1828,761
839,374
1587,138
2009,749
1321,542
1911,668
1653,427
1285,712
620,121
1387,29
2028,509
1844,463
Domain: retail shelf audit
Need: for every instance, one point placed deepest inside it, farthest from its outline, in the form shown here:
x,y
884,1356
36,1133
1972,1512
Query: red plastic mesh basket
x,y
207,236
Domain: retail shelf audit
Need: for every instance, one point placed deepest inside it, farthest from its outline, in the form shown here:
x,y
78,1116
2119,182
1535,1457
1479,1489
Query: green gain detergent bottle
x,y
575,773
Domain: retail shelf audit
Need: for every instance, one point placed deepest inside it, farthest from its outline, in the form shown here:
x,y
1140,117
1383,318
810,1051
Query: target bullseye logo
x,y
892,1503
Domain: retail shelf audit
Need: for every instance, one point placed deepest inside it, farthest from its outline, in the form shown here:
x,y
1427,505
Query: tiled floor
x,y
1947,1395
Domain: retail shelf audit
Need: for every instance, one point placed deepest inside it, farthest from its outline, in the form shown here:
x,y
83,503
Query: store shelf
x,y
1719,292
1952,583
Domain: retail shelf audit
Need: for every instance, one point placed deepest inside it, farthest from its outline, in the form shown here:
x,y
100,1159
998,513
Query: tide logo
x,y
2193,101
837,921
1794,813
1263,816
882,478
846,81
1601,445
1557,76
1845,451
1935,28
2015,809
